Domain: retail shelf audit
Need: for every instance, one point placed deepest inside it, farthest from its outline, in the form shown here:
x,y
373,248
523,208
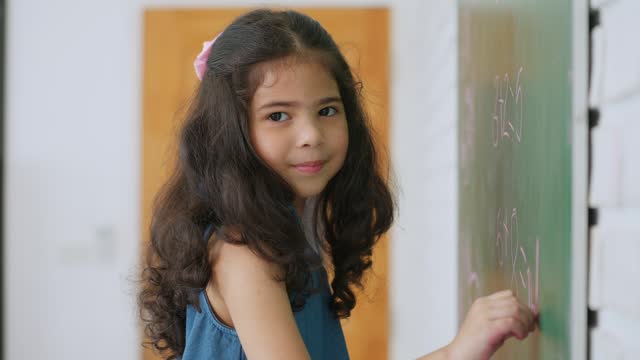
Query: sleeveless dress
x,y
209,338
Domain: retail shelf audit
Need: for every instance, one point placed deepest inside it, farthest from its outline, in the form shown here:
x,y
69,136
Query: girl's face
x,y
298,125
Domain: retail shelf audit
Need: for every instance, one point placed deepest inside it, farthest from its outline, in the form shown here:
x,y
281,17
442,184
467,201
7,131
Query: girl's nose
x,y
309,131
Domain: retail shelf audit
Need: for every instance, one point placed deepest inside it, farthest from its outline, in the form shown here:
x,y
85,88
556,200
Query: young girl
x,y
278,180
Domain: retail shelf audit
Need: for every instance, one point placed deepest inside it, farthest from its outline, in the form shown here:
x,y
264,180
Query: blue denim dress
x,y
208,338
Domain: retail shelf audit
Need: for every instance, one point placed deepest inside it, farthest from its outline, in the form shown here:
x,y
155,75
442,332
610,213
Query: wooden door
x,y
173,38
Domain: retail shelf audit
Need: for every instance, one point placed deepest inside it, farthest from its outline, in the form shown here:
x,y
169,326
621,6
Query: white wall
x,y
72,184
615,290
424,135
73,180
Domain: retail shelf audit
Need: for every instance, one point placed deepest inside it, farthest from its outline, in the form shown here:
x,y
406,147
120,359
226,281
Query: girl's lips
x,y
310,167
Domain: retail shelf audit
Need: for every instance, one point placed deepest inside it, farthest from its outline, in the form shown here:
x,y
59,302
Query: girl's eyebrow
x,y
323,101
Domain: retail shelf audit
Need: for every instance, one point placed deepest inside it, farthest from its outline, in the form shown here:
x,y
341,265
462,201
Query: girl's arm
x,y
261,314
490,321
258,305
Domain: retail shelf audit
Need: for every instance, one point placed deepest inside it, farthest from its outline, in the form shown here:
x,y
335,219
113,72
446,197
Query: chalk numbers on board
x,y
507,118
508,125
522,271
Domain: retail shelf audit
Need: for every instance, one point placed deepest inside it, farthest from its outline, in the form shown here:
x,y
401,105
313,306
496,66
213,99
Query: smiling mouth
x,y
310,167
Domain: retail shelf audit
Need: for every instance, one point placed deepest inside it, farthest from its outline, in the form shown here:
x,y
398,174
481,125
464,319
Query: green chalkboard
x,y
522,154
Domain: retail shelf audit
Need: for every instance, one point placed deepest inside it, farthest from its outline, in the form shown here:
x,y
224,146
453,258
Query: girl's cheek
x,y
337,135
341,137
339,128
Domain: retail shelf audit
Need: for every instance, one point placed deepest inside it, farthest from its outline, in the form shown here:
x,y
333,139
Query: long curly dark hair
x,y
219,181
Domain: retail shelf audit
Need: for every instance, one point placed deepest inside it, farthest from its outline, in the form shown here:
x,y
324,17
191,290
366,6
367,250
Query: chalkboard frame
x,y
580,207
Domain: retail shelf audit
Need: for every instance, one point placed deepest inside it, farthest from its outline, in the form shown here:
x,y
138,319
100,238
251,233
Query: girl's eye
x,y
328,111
278,116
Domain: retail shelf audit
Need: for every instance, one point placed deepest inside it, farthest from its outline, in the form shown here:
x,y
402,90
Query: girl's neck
x,y
298,203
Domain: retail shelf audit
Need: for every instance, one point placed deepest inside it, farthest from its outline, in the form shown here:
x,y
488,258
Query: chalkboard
x,y
522,165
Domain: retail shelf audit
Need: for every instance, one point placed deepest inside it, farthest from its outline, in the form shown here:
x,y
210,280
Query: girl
x,y
277,180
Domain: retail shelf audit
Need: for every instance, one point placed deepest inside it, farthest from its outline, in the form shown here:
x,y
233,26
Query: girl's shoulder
x,y
256,300
227,257
231,265
227,262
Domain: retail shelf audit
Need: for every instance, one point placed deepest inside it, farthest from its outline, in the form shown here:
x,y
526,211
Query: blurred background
x,y
74,76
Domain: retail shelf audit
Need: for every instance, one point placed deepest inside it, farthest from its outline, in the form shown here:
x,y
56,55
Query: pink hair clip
x,y
200,64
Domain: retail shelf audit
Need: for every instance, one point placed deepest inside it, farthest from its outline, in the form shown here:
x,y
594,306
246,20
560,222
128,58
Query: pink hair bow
x,y
201,60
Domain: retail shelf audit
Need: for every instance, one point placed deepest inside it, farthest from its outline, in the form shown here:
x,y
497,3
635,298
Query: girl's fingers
x,y
501,315
512,307
528,315
511,326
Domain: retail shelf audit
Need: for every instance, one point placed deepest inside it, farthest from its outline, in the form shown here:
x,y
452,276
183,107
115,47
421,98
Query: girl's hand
x,y
490,321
